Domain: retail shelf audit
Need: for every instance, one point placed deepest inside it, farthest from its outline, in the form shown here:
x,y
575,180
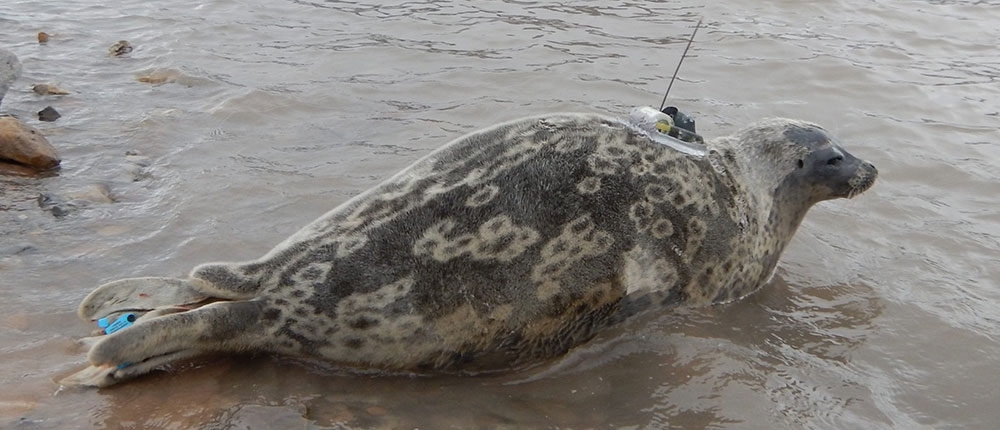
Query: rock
x,y
48,114
63,204
48,90
10,69
98,193
138,160
159,76
43,37
120,48
56,205
21,143
14,169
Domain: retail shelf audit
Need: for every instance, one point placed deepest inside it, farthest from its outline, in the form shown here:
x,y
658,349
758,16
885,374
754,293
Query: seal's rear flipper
x,y
139,295
106,375
153,342
233,281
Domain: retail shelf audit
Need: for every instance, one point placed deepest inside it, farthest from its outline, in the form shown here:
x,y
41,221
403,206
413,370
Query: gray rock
x,y
48,114
10,69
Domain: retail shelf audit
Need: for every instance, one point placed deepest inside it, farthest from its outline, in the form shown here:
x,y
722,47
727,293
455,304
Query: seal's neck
x,y
779,202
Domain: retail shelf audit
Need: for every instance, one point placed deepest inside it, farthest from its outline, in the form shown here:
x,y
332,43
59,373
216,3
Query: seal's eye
x,y
835,160
801,164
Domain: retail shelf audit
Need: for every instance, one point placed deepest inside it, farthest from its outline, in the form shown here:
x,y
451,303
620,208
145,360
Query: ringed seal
x,y
502,248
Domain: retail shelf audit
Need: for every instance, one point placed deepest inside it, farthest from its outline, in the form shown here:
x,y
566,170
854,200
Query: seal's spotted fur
x,y
503,247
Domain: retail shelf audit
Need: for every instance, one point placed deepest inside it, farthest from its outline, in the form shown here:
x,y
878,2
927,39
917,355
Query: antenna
x,y
679,64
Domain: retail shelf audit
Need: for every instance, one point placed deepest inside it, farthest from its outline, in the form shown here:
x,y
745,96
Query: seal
x,y
500,249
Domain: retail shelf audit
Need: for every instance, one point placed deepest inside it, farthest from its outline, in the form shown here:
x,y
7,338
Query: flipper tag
x,y
122,322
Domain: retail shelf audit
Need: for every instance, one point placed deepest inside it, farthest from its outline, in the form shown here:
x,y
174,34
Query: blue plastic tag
x,y
122,322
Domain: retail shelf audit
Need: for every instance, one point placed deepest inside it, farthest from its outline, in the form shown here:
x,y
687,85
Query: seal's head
x,y
804,162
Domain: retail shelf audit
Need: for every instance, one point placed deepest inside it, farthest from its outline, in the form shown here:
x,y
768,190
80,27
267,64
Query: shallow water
x,y
885,313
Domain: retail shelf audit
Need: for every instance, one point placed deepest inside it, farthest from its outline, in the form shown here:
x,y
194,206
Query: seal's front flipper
x,y
139,295
148,344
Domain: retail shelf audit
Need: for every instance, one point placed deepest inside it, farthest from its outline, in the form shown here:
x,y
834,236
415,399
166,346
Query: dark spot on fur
x,y
280,302
271,315
302,312
354,342
298,293
363,322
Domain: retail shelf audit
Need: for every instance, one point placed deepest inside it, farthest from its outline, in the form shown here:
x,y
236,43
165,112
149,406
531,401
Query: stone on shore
x,y
23,144
120,48
48,90
10,69
48,114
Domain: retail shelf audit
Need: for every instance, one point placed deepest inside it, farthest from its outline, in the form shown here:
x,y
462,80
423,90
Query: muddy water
x,y
262,115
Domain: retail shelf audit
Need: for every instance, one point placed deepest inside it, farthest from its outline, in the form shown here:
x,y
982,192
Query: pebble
x,y
120,48
161,76
98,193
138,160
48,114
61,205
43,37
10,70
48,90
21,143
56,205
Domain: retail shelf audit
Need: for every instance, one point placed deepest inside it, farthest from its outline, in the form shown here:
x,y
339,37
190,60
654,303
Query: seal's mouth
x,y
862,180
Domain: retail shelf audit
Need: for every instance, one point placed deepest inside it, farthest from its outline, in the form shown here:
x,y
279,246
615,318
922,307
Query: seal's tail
x,y
152,342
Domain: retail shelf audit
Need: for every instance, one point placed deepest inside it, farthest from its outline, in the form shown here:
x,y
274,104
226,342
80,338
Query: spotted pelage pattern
x,y
509,244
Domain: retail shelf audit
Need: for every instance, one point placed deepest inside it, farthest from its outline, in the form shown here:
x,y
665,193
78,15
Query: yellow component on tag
x,y
663,126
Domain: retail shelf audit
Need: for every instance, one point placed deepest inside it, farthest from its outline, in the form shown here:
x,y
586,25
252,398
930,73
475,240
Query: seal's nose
x,y
868,165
